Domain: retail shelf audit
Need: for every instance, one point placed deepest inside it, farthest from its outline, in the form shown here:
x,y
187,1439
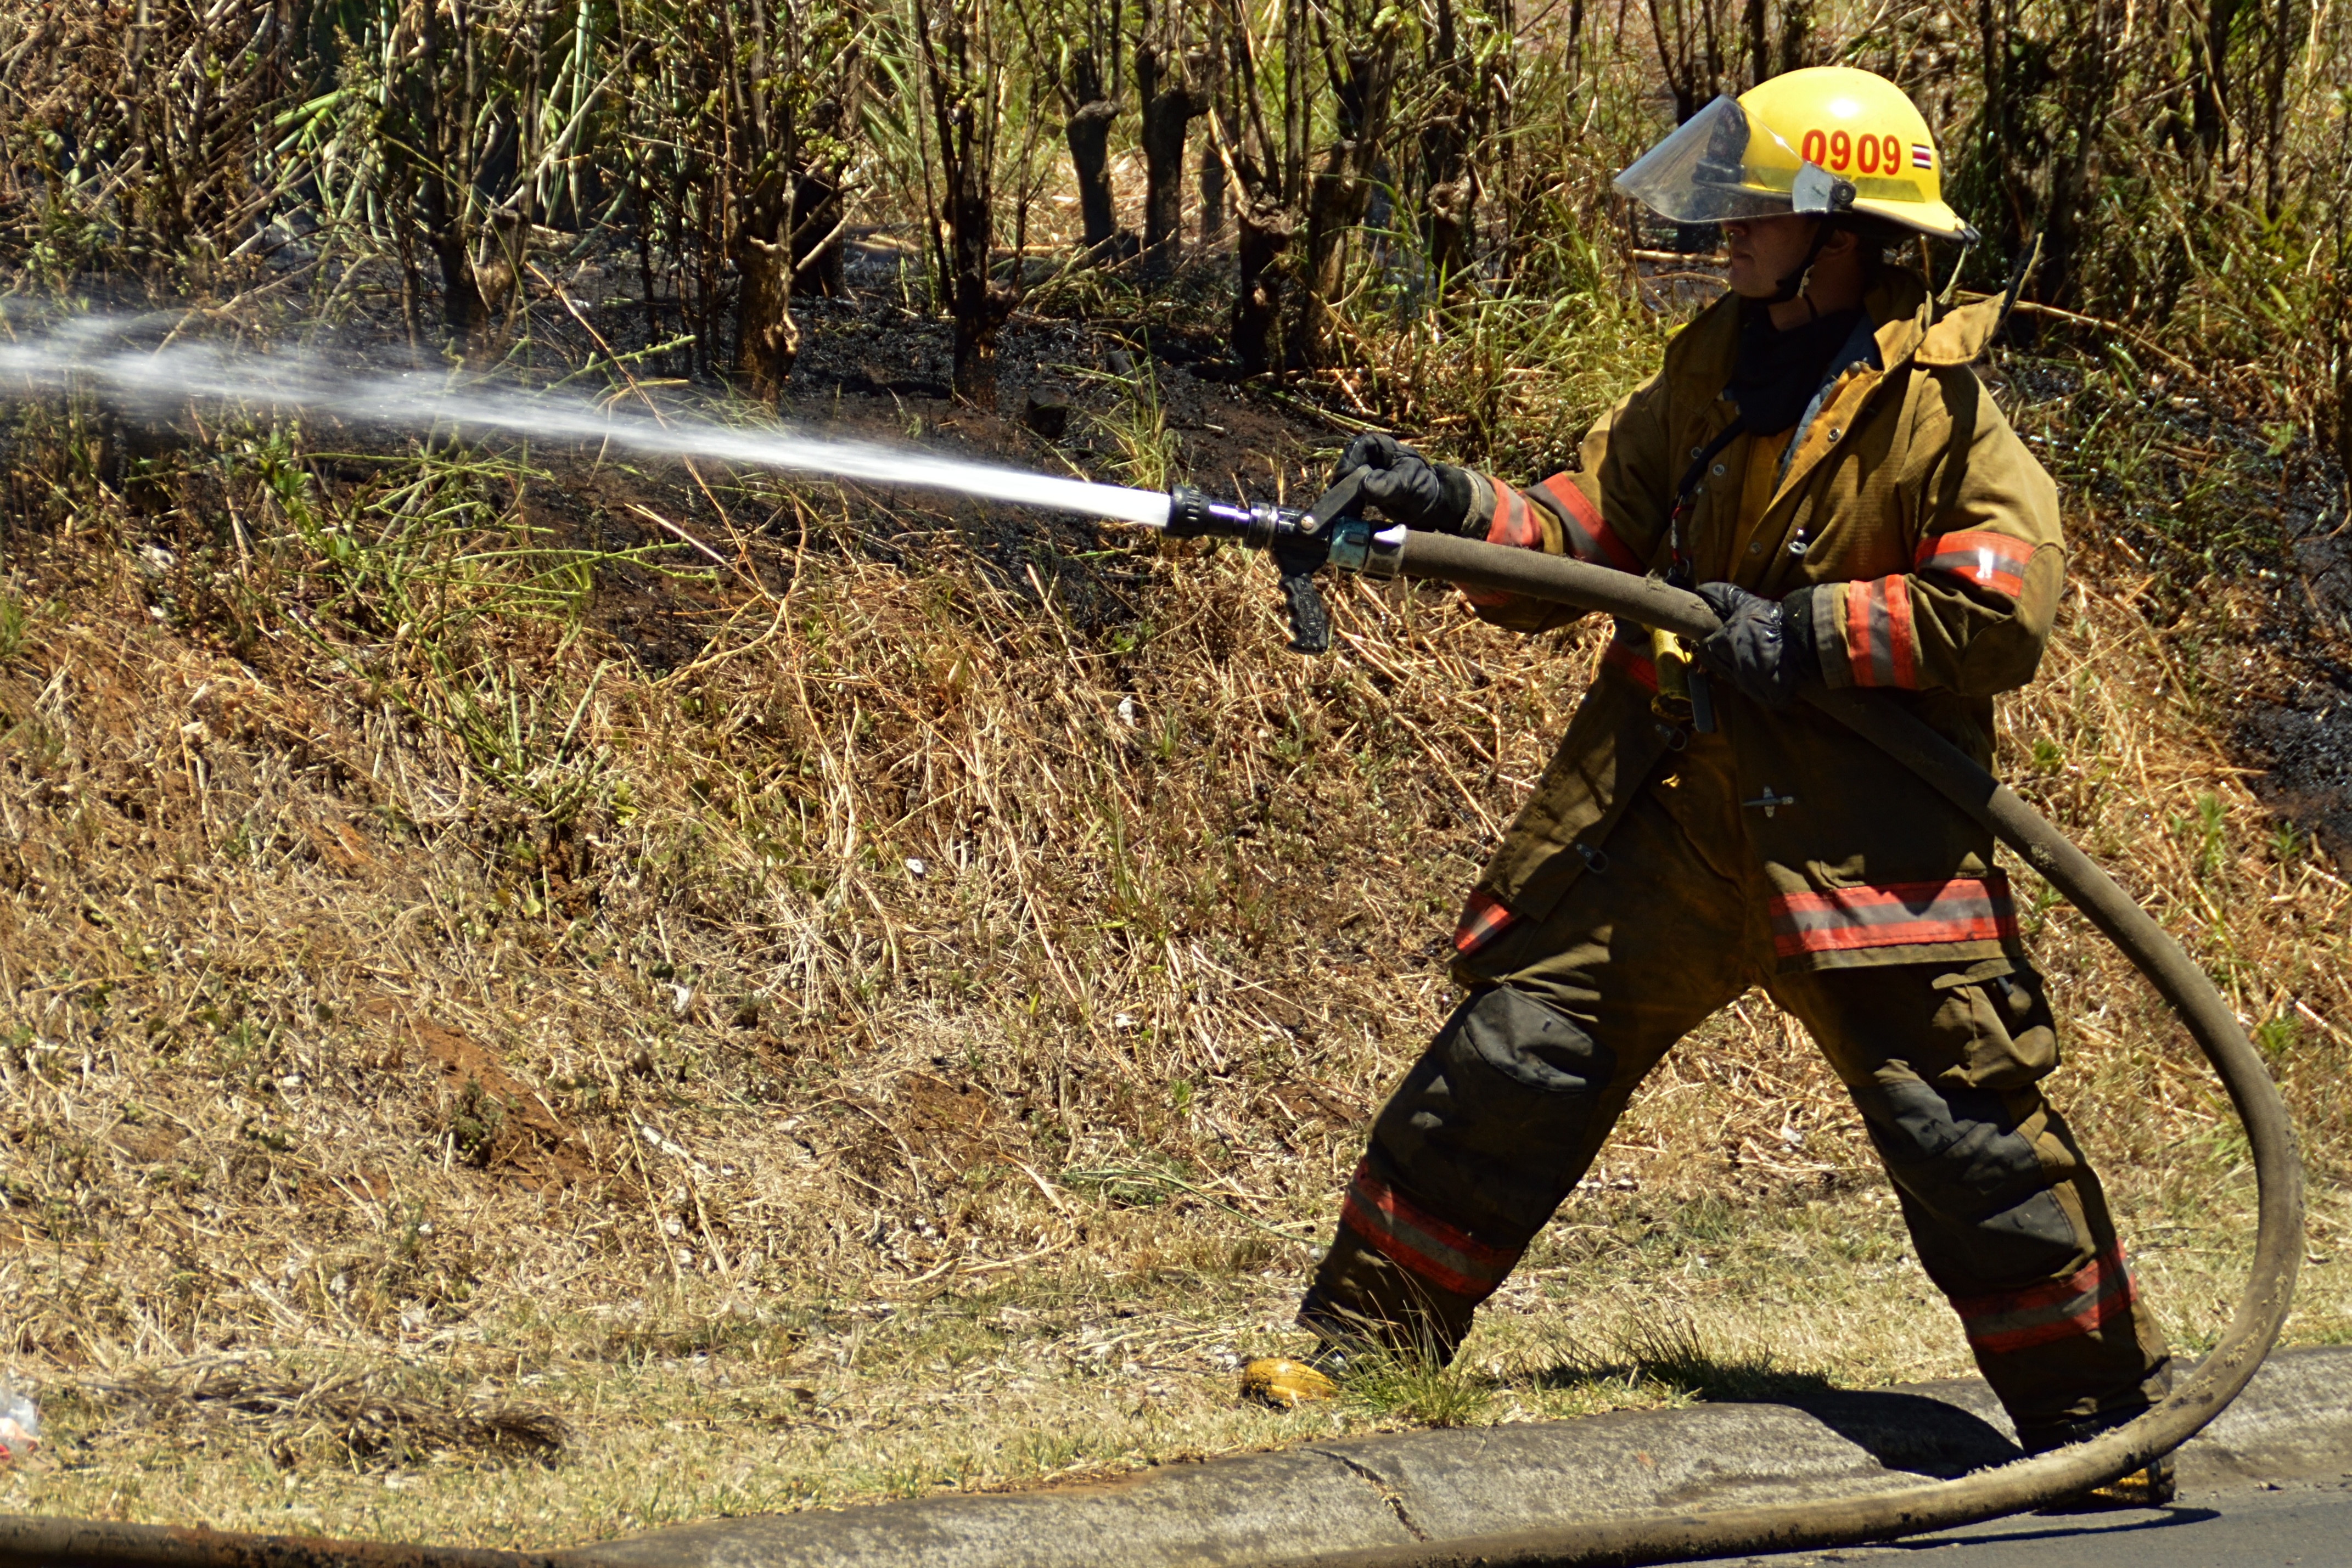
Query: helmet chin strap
x,y
1792,287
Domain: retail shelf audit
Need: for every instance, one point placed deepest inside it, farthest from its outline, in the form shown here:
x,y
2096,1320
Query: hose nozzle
x,y
1303,543
1194,515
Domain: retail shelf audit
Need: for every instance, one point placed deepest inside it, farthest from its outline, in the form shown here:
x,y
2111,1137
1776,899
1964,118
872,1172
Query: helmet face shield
x,y
1718,167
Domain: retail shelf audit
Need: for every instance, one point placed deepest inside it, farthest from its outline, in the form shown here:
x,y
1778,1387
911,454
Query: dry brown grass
x,y
478,1061
914,1030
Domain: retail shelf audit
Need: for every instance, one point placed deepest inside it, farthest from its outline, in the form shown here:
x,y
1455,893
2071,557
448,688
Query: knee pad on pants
x,y
1960,1155
1490,1125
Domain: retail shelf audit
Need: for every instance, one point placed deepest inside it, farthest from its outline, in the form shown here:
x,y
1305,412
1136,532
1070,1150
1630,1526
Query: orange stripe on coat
x,y
2082,1304
1629,660
1590,537
1900,631
1893,915
1483,919
1857,633
1423,1242
1515,522
1992,561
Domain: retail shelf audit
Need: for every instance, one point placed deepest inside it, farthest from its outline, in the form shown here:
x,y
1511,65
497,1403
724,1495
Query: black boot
x,y
1343,1338
2152,1487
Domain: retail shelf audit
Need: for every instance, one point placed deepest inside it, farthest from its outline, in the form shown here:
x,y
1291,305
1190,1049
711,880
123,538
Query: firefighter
x,y
1818,461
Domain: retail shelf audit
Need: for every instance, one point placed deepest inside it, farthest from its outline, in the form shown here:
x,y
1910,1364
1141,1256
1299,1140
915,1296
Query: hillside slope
x,y
519,1026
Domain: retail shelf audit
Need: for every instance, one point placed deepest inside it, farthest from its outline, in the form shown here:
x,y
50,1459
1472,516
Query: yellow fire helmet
x,y
1826,139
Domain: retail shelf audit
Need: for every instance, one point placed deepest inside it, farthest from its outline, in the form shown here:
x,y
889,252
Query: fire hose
x,y
1325,537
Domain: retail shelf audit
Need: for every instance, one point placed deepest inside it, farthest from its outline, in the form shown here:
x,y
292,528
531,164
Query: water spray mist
x,y
82,355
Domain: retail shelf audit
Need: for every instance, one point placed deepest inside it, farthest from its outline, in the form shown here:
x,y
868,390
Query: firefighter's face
x,y
1766,250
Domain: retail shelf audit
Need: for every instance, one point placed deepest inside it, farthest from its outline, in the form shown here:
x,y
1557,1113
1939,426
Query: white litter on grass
x,y
20,1423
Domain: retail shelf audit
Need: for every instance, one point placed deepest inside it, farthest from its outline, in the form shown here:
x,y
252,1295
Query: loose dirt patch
x,y
498,1122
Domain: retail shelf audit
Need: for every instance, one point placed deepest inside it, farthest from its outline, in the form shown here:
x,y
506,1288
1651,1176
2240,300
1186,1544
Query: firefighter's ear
x,y
1842,243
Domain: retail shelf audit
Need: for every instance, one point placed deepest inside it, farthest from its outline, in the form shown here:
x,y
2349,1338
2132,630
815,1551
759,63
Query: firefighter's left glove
x,y
1765,646
1407,487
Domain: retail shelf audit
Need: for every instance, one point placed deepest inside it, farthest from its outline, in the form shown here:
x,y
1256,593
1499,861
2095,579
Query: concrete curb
x,y
2294,1422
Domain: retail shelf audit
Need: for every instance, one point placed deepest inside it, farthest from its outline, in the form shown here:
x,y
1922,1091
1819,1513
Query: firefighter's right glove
x,y
1765,646
1406,486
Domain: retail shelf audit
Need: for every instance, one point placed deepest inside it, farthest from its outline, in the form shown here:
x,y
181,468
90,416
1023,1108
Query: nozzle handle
x,y
1310,623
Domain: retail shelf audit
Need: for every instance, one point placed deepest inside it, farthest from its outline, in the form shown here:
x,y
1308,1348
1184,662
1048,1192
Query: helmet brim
x,y
1934,219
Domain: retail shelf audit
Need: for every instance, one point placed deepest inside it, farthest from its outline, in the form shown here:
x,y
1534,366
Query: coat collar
x,y
1913,328
1909,324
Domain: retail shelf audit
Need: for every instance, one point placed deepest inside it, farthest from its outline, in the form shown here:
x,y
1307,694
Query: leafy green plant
x,y
2211,834
1145,450
475,1123
2043,899
2275,1036
1418,1389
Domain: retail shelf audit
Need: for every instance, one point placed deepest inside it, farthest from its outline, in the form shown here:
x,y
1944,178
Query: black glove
x,y
1765,646
1406,487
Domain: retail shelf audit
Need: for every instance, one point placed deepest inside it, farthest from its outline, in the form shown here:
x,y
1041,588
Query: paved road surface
x,y
2305,1526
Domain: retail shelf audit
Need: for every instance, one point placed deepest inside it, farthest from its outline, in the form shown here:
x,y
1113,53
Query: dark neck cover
x,y
1778,370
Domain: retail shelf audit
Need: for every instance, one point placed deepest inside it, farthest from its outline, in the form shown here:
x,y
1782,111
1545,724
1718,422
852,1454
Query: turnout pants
x,y
1503,1112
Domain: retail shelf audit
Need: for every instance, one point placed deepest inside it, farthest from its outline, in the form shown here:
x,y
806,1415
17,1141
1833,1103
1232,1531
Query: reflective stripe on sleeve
x,y
2084,1303
1881,645
1483,918
1590,537
1893,915
1421,1242
1628,659
1515,521
1994,563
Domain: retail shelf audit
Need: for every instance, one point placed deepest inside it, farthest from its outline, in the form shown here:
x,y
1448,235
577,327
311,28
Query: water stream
x,y
86,355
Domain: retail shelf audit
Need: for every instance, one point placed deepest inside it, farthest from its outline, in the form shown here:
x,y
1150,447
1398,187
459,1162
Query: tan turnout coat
x,y
1905,489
